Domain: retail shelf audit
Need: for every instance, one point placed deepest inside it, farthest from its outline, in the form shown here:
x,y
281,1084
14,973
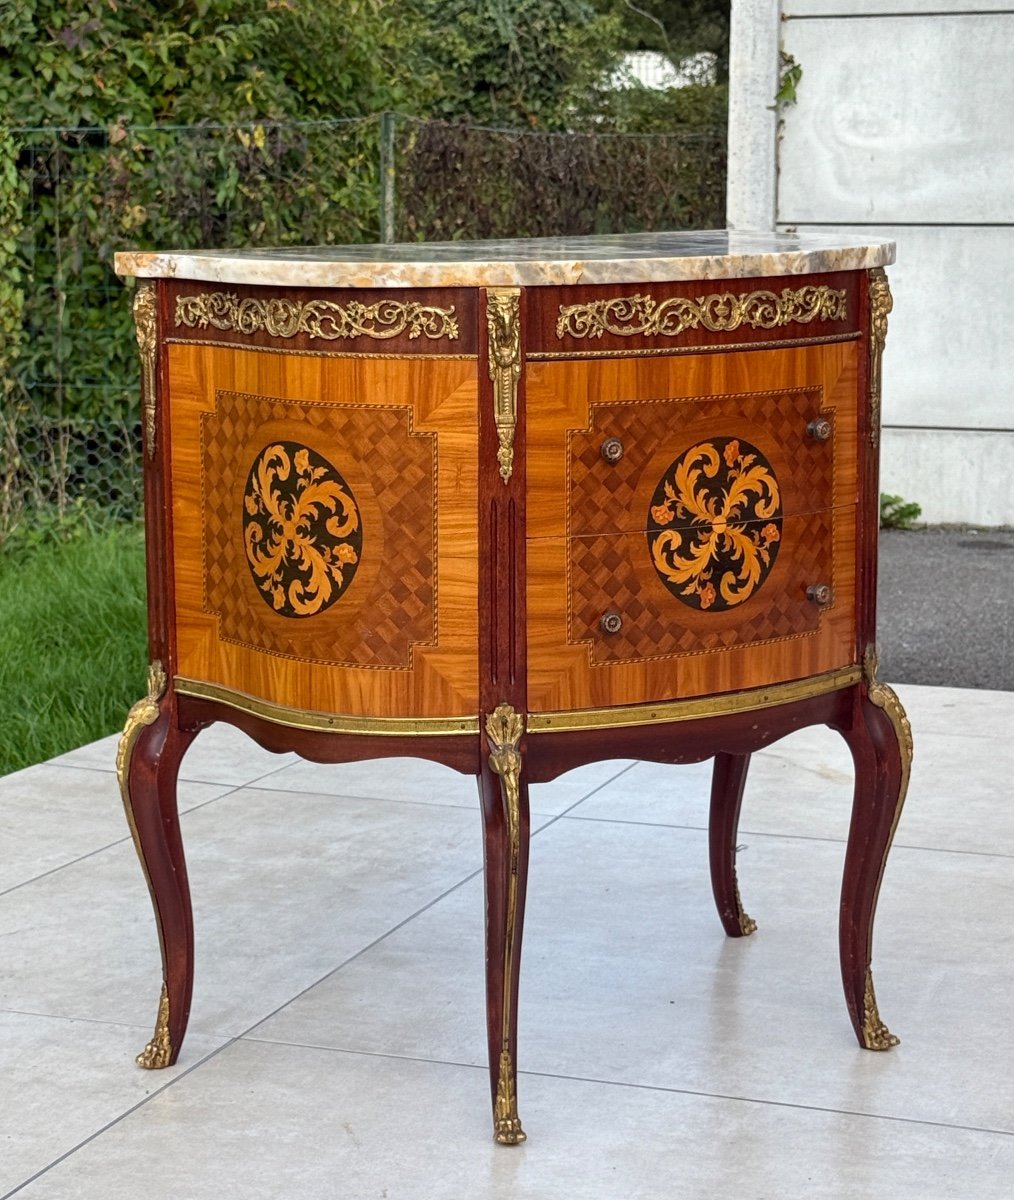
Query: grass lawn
x,y
73,652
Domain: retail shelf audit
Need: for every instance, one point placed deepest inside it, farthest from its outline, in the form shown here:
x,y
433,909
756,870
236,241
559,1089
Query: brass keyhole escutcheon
x,y
820,594
612,450
819,429
611,622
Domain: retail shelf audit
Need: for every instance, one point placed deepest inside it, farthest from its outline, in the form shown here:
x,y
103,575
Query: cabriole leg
x,y
147,763
880,740
506,826
727,783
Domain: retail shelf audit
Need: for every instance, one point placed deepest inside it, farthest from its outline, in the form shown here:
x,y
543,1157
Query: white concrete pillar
x,y
753,121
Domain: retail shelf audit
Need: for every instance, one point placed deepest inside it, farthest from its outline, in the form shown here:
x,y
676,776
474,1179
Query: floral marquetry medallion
x,y
715,524
301,529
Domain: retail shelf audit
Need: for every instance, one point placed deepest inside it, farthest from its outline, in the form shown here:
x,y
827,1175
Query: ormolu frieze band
x,y
721,312
325,319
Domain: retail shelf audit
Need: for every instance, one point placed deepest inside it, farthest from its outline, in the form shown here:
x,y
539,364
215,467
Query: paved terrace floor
x,y
337,1039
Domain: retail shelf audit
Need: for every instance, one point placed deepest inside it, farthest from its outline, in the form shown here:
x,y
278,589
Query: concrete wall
x,y
903,128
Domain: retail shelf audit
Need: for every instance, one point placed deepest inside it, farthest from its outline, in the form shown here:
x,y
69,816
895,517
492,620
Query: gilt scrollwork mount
x,y
719,312
503,326
504,727
328,320
146,330
881,304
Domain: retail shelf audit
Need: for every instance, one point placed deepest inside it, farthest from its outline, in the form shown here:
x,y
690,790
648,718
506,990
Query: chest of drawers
x,y
516,507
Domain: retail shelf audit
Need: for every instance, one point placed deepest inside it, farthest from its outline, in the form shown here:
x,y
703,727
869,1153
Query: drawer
x,y
606,439
669,613
679,461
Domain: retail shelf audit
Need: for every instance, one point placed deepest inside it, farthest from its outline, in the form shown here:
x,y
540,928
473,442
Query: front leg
x,y
880,740
506,825
147,764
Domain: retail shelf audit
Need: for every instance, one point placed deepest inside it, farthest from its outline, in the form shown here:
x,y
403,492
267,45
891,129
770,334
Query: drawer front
x,y
606,436
629,599
324,544
607,626
641,462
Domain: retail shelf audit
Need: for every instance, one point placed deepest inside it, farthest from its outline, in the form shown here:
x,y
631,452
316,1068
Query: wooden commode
x,y
516,507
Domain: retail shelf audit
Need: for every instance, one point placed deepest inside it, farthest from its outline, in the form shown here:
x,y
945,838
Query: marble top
x,y
522,262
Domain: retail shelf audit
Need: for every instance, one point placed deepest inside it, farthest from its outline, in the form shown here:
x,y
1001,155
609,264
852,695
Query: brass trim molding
x,y
143,713
503,328
720,312
327,319
881,304
504,728
321,353
711,348
145,328
747,924
885,697
295,718
628,716
876,1035
158,1051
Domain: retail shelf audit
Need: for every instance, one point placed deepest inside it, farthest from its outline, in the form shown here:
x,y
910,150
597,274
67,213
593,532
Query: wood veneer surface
x,y
402,641
586,521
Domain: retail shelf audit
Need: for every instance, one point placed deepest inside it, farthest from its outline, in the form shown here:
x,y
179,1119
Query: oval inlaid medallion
x,y
715,524
301,529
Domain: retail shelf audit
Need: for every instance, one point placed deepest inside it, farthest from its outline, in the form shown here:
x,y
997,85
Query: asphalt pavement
x,y
946,607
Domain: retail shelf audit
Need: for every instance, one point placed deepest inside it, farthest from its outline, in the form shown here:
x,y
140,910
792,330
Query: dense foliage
x,y
105,62
516,63
585,182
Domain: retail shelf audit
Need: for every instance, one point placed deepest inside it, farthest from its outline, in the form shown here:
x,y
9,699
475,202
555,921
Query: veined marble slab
x,y
528,262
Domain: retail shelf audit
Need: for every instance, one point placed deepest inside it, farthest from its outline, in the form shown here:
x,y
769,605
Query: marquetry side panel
x,y
369,467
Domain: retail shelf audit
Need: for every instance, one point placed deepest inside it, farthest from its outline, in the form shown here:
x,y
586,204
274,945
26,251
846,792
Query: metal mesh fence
x,y
69,428
459,181
69,432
